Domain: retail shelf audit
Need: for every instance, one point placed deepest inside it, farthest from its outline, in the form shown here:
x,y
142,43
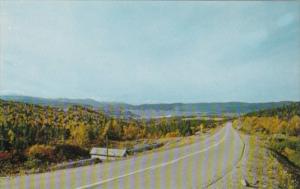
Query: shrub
x,y
5,161
33,163
173,134
5,156
66,152
41,152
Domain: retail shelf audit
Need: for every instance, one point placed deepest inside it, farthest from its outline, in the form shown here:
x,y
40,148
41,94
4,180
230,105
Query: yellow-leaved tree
x,y
294,126
79,135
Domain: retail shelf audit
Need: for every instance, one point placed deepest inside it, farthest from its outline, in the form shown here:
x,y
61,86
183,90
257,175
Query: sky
x,y
151,52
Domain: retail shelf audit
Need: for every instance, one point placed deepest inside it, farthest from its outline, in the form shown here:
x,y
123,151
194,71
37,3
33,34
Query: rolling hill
x,y
148,110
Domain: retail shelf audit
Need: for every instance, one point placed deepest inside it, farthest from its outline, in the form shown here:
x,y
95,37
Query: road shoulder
x,y
257,167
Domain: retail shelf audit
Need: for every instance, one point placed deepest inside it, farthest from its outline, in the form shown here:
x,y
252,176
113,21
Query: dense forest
x,y
31,132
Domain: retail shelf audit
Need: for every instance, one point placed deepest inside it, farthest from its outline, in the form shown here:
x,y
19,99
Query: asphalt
x,y
199,165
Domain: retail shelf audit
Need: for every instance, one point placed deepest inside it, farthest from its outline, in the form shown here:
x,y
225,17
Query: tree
x,y
80,135
294,126
11,137
131,132
114,130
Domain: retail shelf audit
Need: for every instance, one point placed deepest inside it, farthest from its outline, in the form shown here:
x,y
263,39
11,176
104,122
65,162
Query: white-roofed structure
x,y
112,154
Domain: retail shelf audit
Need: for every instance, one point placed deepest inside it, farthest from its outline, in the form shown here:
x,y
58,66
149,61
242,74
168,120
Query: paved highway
x,y
198,165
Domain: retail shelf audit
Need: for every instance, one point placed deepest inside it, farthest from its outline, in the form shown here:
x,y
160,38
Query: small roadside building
x,y
112,154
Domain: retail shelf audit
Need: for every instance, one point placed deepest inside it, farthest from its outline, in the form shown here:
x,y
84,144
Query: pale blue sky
x,y
146,52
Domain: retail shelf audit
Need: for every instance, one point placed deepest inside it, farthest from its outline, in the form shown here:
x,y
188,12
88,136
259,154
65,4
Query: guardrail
x,y
76,164
144,147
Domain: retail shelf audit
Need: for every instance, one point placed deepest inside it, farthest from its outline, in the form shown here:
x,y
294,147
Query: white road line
x,y
153,167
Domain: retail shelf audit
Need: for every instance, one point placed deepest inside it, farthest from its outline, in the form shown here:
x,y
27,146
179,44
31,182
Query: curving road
x,y
199,165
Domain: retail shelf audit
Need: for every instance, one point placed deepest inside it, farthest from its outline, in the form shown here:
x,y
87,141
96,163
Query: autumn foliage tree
x,y
285,120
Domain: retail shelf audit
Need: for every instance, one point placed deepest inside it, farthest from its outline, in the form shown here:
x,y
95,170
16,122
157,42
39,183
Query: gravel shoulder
x,y
257,167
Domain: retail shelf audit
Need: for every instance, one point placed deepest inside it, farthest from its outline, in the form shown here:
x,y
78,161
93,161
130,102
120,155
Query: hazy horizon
x,y
177,102
151,52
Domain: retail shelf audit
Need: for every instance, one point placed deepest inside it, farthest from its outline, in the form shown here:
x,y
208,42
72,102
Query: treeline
x,y
284,112
269,125
283,120
23,125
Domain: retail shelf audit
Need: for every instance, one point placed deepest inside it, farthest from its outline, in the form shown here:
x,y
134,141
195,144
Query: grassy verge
x,y
269,170
259,167
39,158
267,162
286,150
286,146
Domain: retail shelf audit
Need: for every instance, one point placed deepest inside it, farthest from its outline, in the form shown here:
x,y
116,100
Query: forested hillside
x,y
23,125
284,112
112,109
31,132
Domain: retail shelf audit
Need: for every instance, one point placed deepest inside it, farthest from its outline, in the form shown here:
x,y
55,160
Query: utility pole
x,y
106,146
107,127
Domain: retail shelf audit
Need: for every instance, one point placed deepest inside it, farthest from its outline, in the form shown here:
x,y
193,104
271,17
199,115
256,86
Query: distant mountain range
x,y
150,110
58,101
108,107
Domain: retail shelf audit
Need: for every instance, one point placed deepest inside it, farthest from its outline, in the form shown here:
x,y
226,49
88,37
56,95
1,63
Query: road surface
x,y
198,165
